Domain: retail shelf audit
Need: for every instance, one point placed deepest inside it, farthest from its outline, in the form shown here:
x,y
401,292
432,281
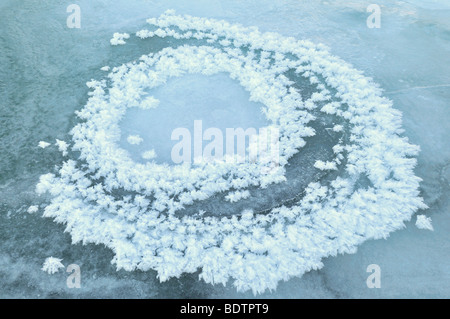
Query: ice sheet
x,y
408,56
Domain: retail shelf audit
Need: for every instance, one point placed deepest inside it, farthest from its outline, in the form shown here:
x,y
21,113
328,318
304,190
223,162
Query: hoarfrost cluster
x,y
52,265
424,222
32,209
255,250
119,38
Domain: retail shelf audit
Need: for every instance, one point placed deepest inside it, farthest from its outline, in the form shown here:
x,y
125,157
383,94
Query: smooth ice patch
x,y
216,100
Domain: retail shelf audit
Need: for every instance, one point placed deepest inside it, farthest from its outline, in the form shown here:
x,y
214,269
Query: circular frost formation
x,y
104,197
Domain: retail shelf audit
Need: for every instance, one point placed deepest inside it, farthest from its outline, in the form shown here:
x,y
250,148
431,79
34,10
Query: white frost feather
x,y
62,146
237,195
134,139
52,265
148,155
43,144
424,222
119,38
32,209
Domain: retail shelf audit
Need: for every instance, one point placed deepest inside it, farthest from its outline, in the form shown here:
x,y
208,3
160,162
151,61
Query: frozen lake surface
x,y
44,69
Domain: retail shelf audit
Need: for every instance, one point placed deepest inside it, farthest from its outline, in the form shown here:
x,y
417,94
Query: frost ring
x,y
256,250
